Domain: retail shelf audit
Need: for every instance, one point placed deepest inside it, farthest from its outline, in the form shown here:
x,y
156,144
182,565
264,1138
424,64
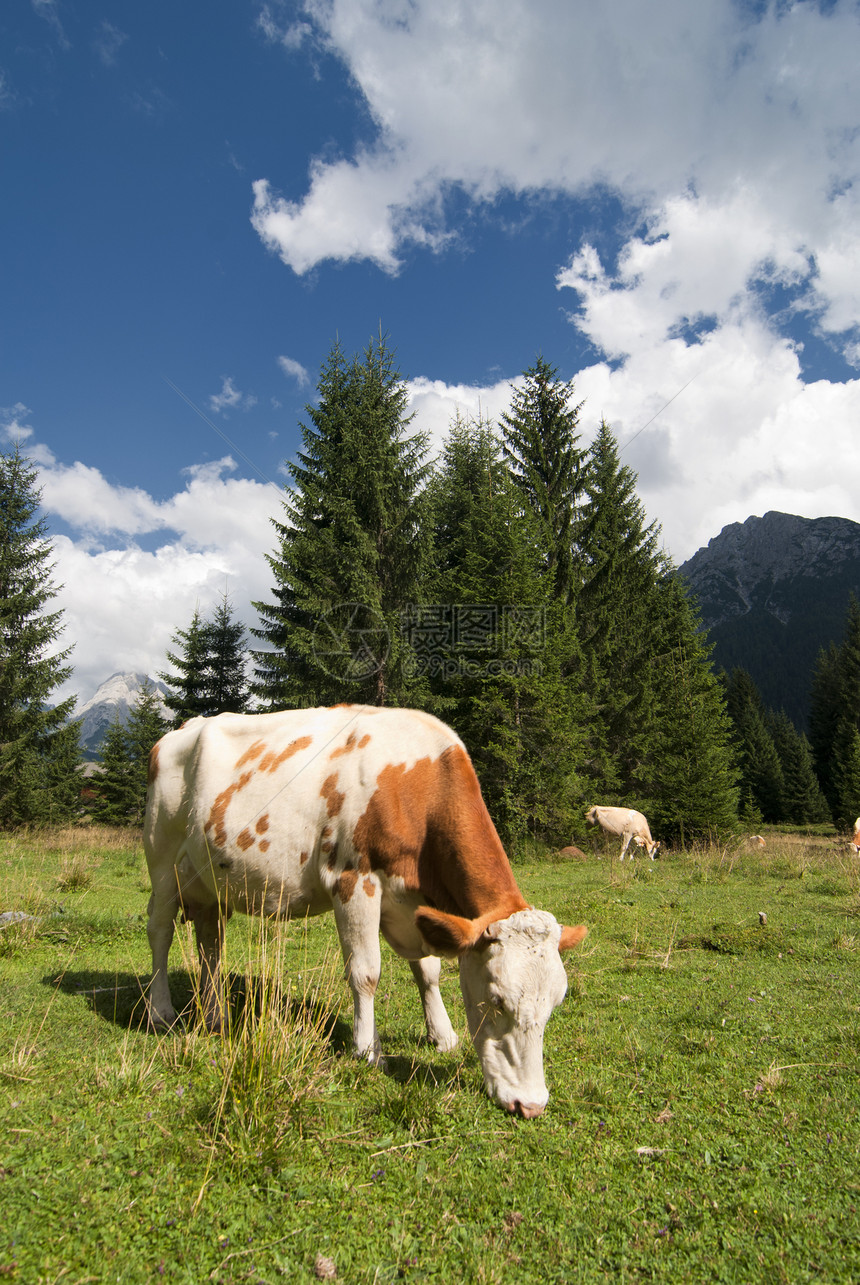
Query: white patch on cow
x,y
510,988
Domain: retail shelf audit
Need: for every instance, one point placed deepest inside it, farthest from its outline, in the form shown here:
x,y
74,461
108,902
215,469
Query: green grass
x,y
704,1113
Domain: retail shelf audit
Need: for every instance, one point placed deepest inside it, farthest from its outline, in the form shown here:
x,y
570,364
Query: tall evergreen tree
x,y
803,802
351,549
228,682
121,789
761,775
618,616
691,761
541,446
39,749
498,640
210,658
188,694
834,716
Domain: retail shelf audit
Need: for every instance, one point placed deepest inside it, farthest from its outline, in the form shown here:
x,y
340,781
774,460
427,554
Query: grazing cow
x,y
377,815
757,841
855,840
626,823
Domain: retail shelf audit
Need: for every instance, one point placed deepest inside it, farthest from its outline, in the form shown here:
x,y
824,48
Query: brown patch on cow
x,y
350,745
219,810
252,752
369,887
429,826
262,824
302,857
152,766
333,798
345,885
364,740
331,861
271,762
264,845
245,840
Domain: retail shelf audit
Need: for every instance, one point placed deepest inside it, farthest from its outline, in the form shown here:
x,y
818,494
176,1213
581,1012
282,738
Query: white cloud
x,y
131,570
230,398
730,138
294,370
704,113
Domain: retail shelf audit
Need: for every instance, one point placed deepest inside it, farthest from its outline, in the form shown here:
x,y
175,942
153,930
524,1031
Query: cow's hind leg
x,y
440,1032
163,908
209,924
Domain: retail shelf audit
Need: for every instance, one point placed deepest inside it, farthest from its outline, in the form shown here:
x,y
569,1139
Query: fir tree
x,y
497,641
189,687
540,444
39,750
227,680
210,658
618,617
761,774
351,549
834,715
692,765
803,802
121,798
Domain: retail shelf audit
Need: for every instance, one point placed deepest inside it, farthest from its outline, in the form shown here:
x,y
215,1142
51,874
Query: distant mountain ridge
x,y
114,699
772,592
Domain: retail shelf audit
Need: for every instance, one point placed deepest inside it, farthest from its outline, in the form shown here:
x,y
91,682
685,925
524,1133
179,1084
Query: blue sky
x,y
196,200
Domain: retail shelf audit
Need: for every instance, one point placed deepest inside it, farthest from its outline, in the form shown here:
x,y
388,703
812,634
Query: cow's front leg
x,y
162,911
209,925
440,1032
357,913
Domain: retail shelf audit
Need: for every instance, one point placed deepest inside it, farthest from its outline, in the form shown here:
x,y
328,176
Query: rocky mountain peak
x,y
772,592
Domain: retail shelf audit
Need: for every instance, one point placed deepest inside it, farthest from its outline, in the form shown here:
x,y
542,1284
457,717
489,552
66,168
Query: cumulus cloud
x,y
131,569
716,115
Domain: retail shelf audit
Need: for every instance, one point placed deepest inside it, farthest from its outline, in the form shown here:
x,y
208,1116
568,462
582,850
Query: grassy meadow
x,y
704,1075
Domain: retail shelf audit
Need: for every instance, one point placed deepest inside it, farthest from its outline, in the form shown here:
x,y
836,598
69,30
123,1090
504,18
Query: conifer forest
x,y
512,586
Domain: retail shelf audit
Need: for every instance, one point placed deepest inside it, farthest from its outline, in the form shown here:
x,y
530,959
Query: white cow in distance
x,y
627,824
855,839
374,814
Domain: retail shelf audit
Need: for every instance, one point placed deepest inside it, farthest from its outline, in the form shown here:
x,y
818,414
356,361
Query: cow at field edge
x,y
855,840
627,824
377,815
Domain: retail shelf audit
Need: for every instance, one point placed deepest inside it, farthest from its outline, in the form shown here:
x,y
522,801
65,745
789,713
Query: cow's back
x,y
260,811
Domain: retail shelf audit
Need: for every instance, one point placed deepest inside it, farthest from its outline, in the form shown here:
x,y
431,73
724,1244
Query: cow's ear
x,y
572,936
446,934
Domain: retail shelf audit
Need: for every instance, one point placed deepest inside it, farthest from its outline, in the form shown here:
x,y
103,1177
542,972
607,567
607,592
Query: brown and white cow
x,y
377,815
627,824
855,838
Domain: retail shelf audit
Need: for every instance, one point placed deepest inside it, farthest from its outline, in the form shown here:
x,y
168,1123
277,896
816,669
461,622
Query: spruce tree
x,y
189,687
835,714
761,774
125,759
691,764
228,682
541,446
803,802
210,658
39,749
351,549
497,641
618,617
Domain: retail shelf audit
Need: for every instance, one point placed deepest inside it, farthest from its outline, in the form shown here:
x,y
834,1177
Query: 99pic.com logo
x,y
351,642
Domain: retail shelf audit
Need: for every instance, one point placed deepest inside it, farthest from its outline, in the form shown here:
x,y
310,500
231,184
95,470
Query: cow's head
x,y
512,978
